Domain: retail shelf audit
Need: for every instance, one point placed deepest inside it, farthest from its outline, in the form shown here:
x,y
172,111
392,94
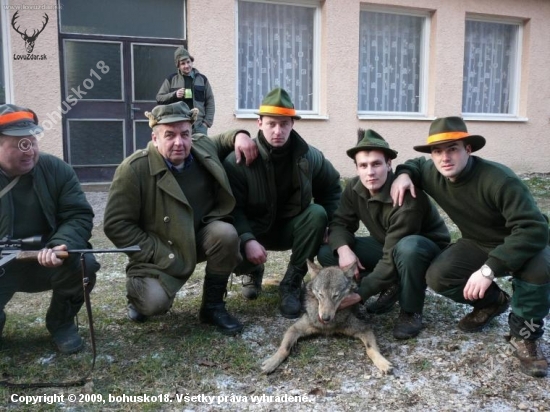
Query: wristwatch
x,y
487,272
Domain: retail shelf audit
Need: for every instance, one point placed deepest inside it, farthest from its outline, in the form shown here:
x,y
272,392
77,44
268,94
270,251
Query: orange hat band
x,y
283,111
447,136
12,117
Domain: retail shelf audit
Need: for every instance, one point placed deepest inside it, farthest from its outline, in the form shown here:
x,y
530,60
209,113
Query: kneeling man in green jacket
x,y
173,199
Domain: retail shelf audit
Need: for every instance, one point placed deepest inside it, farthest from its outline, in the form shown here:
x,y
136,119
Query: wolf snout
x,y
325,318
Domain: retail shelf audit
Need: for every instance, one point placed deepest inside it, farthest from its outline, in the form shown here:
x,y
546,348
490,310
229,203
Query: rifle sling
x,y
82,381
9,186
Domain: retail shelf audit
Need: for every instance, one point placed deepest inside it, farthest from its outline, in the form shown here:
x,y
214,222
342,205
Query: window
x,y
277,48
491,56
391,63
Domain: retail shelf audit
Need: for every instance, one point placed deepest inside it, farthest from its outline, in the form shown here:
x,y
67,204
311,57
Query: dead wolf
x,y
324,293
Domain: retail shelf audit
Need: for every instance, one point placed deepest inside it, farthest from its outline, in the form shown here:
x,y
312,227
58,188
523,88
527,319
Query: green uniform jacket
x,y
69,215
147,207
490,205
385,223
255,191
203,97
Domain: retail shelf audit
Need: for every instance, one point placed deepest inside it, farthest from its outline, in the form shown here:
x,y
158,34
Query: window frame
x,y
6,54
515,94
423,97
316,74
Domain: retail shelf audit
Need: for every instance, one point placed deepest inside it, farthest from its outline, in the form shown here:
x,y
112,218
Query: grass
x,y
175,354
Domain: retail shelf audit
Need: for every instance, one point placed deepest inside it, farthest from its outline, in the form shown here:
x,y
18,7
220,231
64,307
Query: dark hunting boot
x,y
61,324
213,310
478,318
252,283
408,325
385,302
290,290
531,359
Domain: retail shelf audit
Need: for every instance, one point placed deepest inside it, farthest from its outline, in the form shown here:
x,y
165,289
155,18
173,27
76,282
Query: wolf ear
x,y
349,270
313,268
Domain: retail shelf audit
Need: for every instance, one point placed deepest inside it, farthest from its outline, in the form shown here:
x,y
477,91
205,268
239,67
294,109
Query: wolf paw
x,y
385,366
269,365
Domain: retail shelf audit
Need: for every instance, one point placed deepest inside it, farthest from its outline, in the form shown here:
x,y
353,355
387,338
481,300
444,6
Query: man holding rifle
x,y
40,196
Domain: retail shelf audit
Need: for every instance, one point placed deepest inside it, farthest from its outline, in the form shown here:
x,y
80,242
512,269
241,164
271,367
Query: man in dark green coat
x,y
173,199
503,233
41,196
285,199
401,244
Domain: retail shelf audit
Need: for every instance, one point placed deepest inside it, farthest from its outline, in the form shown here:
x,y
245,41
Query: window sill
x,y
493,118
421,117
303,116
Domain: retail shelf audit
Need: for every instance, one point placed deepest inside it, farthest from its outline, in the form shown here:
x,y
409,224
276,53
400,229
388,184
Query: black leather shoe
x,y
385,302
218,316
134,315
408,325
67,340
252,284
478,318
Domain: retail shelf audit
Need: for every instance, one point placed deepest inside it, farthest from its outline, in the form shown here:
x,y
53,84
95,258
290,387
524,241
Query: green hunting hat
x,y
18,121
278,103
171,113
447,129
370,140
181,53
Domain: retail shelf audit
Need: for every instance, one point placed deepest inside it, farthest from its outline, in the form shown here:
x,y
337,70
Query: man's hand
x,y
47,257
244,145
399,187
180,93
476,286
346,257
349,300
255,252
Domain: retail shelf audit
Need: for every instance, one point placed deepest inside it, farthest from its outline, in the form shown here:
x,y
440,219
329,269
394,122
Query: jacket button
x,y
170,242
171,256
166,219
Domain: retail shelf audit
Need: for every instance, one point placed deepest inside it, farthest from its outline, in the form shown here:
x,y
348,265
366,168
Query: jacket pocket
x,y
200,93
166,259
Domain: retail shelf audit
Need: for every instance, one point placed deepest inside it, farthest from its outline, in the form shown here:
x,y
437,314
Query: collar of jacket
x,y
299,149
157,163
383,196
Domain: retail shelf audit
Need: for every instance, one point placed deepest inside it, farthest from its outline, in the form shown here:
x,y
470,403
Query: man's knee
x,y
326,257
221,247
435,276
148,296
316,216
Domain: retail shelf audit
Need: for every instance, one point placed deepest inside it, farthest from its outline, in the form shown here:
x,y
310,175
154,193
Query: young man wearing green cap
x,y
173,199
40,196
401,243
191,87
503,233
274,196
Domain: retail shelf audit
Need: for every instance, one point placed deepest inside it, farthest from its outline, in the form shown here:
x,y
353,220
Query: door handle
x,y
134,109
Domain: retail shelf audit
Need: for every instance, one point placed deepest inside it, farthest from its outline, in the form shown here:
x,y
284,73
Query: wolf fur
x,y
324,293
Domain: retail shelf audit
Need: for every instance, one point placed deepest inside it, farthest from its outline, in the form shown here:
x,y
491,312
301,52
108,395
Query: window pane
x,y
275,50
142,133
96,142
124,17
152,64
490,53
93,70
389,62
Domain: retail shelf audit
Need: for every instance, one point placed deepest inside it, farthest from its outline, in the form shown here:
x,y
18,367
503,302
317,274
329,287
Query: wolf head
x,y
330,286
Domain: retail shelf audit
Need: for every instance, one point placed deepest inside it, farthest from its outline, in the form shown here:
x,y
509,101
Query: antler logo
x,y
29,40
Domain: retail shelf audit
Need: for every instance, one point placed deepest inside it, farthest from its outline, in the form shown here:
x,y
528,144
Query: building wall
x,y
523,145
37,83
512,143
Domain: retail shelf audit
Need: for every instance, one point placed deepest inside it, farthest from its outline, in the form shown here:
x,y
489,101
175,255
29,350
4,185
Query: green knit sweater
x,y
490,205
